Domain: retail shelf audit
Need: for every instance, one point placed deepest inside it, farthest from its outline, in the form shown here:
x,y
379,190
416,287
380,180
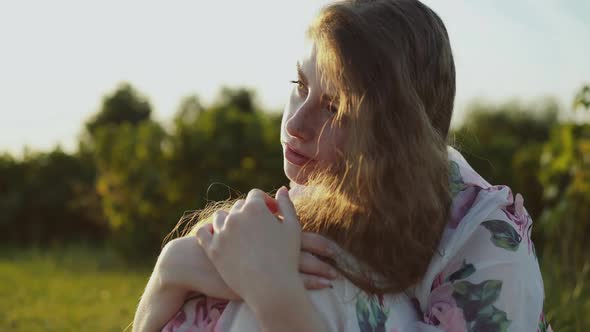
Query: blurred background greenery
x,y
80,231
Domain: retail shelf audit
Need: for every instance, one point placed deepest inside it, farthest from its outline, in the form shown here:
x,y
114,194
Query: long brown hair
x,y
387,200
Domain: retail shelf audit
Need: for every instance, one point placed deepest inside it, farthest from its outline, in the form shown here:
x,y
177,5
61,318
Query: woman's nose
x,y
300,124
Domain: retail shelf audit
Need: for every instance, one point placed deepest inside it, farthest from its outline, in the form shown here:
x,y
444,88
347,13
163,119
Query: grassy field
x,y
73,289
89,289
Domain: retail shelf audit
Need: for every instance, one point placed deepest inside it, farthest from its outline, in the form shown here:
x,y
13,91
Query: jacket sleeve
x,y
491,282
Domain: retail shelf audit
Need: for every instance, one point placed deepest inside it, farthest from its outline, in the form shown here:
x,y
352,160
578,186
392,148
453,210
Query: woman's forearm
x,y
182,270
288,309
157,305
166,289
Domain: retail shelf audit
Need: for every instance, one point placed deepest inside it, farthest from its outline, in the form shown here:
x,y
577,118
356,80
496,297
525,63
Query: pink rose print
x,y
176,322
515,211
204,311
451,319
517,214
443,310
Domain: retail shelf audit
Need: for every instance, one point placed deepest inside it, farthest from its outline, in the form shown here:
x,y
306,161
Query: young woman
x,y
421,241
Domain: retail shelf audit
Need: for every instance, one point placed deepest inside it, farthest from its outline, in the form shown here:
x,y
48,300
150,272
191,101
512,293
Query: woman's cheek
x,y
330,147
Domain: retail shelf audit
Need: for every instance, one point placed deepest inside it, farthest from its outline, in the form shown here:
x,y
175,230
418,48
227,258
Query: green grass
x,y
67,289
80,288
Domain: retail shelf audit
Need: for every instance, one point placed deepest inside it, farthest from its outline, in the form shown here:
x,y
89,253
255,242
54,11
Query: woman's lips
x,y
295,158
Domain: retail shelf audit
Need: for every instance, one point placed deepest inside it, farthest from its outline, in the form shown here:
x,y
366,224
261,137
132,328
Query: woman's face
x,y
309,137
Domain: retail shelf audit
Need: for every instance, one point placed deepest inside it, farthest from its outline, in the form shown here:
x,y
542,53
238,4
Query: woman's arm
x,y
157,305
182,269
286,309
257,255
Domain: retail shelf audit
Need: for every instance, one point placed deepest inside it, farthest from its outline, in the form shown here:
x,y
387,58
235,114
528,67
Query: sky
x,y
59,58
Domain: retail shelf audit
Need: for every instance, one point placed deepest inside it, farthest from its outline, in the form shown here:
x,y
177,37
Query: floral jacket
x,y
486,277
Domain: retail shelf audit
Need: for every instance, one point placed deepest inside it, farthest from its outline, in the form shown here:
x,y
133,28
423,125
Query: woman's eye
x,y
300,86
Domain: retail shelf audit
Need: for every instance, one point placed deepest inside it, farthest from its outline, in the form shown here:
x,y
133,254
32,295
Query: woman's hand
x,y
184,264
254,251
316,273
257,254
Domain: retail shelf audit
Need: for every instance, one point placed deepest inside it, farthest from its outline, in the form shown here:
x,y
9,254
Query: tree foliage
x,y
47,198
565,177
148,176
504,142
125,105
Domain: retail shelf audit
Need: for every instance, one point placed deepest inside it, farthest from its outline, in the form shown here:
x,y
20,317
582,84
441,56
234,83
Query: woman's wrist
x,y
267,296
285,307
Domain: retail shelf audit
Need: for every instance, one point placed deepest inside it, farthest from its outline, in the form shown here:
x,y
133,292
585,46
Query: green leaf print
x,y
456,181
465,271
473,298
370,314
362,315
503,234
491,318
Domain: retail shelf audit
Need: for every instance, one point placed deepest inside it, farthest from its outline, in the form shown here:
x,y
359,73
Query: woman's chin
x,y
293,173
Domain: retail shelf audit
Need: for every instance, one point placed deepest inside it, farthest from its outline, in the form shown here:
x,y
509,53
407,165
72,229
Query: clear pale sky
x,y
58,58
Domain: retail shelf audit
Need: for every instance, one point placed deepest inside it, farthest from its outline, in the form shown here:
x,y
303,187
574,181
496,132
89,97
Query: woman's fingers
x,y
237,206
204,236
318,245
311,265
255,195
315,282
219,220
286,207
